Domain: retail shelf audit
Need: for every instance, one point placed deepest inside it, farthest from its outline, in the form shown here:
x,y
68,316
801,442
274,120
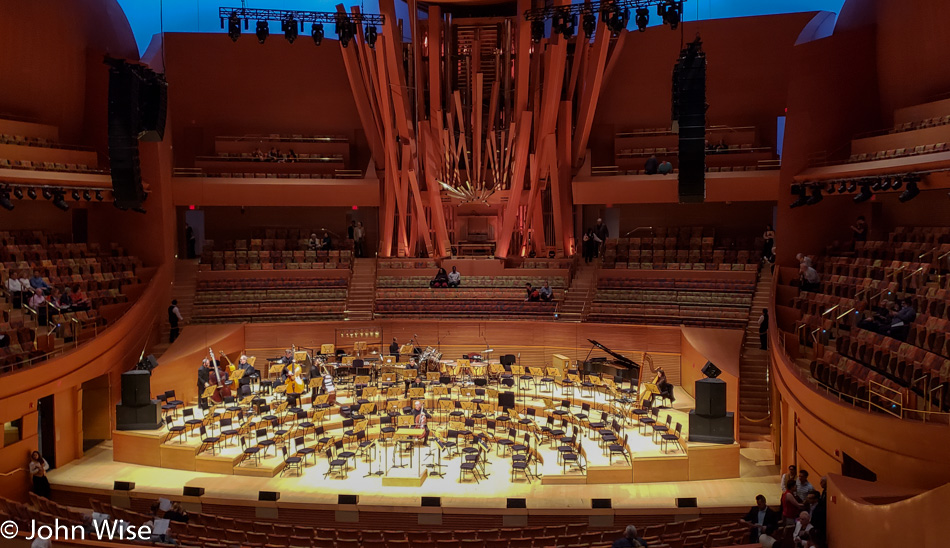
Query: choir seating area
x,y
687,299
275,250
231,526
918,130
910,365
102,273
271,298
37,147
683,248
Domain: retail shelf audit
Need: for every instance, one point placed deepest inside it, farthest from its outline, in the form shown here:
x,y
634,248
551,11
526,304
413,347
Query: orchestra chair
x,y
294,462
470,467
674,437
618,448
175,430
335,463
250,452
172,404
227,430
660,429
207,440
190,421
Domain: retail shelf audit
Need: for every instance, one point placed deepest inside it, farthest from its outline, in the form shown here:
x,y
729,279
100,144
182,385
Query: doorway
x,y
46,429
96,412
194,218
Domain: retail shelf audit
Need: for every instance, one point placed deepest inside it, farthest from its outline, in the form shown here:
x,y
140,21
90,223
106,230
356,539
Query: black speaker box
x,y
710,370
269,496
153,105
711,397
506,400
601,503
517,503
711,429
193,491
123,485
136,386
686,502
139,417
347,499
431,502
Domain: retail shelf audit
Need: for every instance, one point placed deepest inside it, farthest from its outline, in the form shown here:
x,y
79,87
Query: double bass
x,y
219,380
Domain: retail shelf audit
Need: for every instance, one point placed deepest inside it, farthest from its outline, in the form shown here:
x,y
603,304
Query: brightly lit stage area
x,y
559,442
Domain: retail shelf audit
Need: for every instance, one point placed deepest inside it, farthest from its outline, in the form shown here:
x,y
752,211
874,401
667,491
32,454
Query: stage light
x,y
75,195
99,195
670,13
316,31
59,200
815,195
852,186
344,30
5,200
234,27
263,31
86,196
643,19
865,194
885,184
911,192
370,34
569,23
876,185
31,192
897,183
18,193
48,194
589,23
842,187
537,31
290,29
801,192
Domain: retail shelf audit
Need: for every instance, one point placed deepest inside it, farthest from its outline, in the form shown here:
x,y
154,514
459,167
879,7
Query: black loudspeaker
x,y
138,417
193,491
268,496
153,104
686,502
710,370
517,503
136,386
506,400
148,363
711,429
431,502
711,397
689,111
123,485
601,503
124,122
347,499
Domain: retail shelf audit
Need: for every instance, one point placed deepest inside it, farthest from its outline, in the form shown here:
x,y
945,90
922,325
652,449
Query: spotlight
x,y
909,194
59,200
75,195
842,187
537,31
344,30
885,184
48,194
18,193
876,185
568,24
86,196
670,13
290,29
316,31
643,19
370,34
801,192
897,183
589,23
5,202
263,31
815,196
865,194
99,195
852,186
234,27
31,193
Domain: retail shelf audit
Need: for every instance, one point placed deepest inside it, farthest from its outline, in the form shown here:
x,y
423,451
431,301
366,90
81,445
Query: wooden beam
x,y
517,184
594,83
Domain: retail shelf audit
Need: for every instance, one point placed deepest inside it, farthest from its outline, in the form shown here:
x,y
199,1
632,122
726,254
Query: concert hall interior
x,y
485,273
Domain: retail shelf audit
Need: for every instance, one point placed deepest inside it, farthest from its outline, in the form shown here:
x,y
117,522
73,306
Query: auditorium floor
x,y
97,471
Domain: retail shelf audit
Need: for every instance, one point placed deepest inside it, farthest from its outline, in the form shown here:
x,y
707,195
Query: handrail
x,y
11,472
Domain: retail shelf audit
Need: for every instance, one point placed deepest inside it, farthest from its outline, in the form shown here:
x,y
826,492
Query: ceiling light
x,y
263,31
5,202
234,27
911,192
18,193
643,19
31,192
369,33
59,200
290,29
99,195
815,195
316,31
801,192
865,194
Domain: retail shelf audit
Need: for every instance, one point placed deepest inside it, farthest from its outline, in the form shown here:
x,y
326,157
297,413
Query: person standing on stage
x,y
174,318
421,420
204,376
394,349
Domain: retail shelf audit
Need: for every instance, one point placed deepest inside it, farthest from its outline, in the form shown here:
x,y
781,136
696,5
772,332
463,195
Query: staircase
x,y
577,297
361,294
183,290
755,424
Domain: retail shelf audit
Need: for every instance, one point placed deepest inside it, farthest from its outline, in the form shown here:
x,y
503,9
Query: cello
x,y
223,390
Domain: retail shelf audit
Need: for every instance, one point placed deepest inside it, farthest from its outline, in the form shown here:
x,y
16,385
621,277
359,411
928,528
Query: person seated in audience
x,y
810,281
859,230
802,487
273,155
761,519
313,244
441,279
66,301
791,506
258,154
80,299
720,146
546,293
652,165
455,277
327,242
176,513
901,320
40,306
37,282
292,156
16,289
531,294
803,530
25,285
880,318
665,168
155,514
629,539
803,259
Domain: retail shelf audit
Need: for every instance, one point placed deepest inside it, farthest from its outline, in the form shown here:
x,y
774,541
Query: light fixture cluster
x,y
292,23
810,193
614,13
55,195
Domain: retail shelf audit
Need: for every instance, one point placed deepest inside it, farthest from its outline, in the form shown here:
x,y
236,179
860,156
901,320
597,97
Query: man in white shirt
x,y
546,292
15,288
802,526
802,487
455,278
810,279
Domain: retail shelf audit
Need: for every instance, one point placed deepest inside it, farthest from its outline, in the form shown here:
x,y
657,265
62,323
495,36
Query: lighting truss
x,y
542,14
253,14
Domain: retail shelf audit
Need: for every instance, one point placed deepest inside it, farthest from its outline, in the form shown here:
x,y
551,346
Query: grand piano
x,y
618,365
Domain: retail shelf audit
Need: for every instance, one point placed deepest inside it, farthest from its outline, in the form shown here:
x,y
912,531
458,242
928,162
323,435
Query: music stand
x,y
375,452
437,467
